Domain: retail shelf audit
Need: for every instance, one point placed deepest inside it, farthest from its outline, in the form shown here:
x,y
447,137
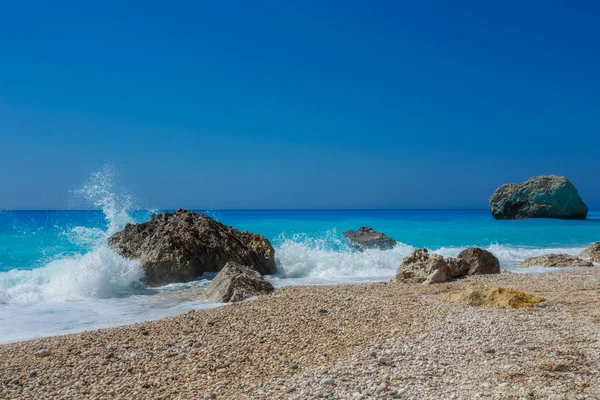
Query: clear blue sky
x,y
298,104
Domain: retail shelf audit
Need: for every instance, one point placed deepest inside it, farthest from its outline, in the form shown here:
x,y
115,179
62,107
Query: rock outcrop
x,y
424,267
181,246
366,238
493,296
592,253
236,282
479,261
555,260
539,197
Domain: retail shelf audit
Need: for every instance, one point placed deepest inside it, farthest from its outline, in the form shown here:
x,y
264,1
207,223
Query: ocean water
x,y
57,274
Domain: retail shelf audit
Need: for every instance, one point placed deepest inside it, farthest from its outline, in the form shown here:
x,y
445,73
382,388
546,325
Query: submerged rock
x,y
539,197
555,260
180,246
236,282
424,267
592,253
366,238
493,296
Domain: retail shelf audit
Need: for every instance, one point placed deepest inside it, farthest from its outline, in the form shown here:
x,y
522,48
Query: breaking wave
x,y
328,257
99,273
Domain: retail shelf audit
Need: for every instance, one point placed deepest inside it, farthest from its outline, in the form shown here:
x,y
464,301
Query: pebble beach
x,y
365,341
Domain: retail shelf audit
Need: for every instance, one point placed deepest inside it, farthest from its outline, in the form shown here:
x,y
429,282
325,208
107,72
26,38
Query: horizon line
x,y
161,210
250,209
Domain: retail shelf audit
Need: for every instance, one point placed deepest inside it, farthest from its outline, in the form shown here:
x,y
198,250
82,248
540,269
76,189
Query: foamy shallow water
x,y
28,321
100,289
22,321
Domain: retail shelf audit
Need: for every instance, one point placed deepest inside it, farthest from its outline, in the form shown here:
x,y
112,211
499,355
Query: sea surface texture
x,y
57,274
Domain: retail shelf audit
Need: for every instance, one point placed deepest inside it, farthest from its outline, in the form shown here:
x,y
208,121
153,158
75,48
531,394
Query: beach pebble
x,y
43,353
384,361
381,388
280,348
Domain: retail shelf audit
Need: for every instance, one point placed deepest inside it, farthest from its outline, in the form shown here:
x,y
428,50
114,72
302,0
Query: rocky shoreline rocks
x,y
592,253
539,197
424,267
236,282
555,260
181,246
366,238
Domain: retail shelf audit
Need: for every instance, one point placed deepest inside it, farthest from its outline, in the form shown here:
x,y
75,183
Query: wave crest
x,y
327,256
100,273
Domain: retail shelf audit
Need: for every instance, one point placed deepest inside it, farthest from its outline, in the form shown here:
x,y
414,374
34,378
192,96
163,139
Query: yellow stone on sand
x,y
493,296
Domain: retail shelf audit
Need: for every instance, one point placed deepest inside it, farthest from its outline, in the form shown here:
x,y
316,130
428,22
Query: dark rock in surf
x,y
236,282
366,238
539,197
181,246
424,267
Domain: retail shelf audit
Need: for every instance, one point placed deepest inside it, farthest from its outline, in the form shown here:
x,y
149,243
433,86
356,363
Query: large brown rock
x,y
539,197
555,260
236,282
367,238
592,253
479,261
181,246
424,267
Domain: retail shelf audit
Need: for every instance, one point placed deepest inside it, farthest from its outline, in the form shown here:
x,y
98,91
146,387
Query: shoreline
x,y
176,301
373,340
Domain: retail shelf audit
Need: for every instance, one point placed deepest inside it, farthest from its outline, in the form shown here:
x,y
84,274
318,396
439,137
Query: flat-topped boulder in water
x,y
181,246
424,267
539,197
592,253
366,238
555,260
236,282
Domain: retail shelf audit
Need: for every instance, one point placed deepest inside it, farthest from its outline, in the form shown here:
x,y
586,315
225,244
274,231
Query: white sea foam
x,y
326,259
99,274
104,191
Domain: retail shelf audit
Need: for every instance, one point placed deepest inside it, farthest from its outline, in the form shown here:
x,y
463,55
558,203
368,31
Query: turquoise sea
x,y
57,274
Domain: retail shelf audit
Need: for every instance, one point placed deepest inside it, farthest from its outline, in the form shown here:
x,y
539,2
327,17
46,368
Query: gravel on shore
x,y
368,341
